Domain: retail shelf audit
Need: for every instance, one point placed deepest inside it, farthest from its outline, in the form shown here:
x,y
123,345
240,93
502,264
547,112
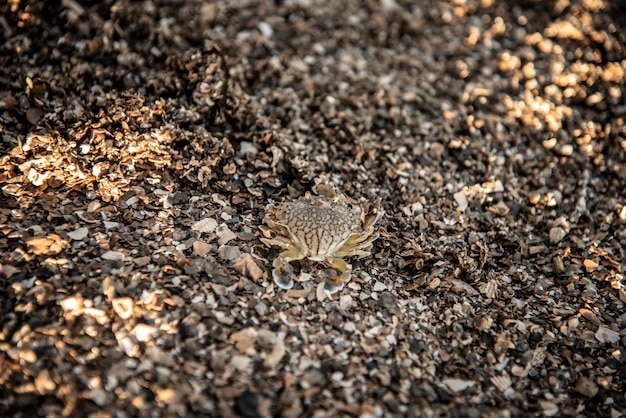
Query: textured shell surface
x,y
318,227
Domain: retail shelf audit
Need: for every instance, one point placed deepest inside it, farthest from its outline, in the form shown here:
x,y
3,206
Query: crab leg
x,y
358,245
355,239
279,241
283,272
335,284
371,220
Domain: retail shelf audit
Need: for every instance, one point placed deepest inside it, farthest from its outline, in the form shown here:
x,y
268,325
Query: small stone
x,y
458,385
345,302
586,387
590,316
8,270
144,332
247,405
98,314
337,376
113,256
94,206
240,363
557,234
205,226
142,261
123,307
606,335
379,286
201,248
267,31
550,409
321,293
71,305
225,235
221,275
98,396
248,148
553,198
482,323
261,309
128,346
389,302
266,338
179,235
245,341
590,265
110,225
28,356
247,266
534,198
78,234
44,383
461,200
278,352
224,318
229,252
165,395
499,209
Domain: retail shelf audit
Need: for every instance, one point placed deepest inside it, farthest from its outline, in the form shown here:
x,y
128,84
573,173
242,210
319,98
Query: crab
x,y
322,230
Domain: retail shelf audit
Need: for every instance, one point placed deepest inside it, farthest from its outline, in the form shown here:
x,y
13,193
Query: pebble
x,y
201,248
220,275
248,147
78,234
247,405
458,385
206,226
550,409
557,234
586,387
606,335
261,309
379,287
44,383
345,302
240,363
389,302
123,307
461,200
113,256
278,352
225,235
229,252
144,332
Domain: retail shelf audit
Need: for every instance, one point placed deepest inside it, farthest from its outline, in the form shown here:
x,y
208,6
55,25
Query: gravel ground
x,y
142,142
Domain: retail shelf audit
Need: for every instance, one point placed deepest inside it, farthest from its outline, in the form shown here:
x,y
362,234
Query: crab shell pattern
x,y
318,229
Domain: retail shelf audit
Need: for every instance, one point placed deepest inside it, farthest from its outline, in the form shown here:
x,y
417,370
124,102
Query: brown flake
x,y
247,266
51,244
201,248
586,387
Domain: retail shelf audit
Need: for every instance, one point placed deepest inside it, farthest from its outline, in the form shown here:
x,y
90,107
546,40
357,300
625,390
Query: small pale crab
x,y
319,229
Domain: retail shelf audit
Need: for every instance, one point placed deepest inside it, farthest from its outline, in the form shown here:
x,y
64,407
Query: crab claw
x,y
283,275
334,282
371,220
